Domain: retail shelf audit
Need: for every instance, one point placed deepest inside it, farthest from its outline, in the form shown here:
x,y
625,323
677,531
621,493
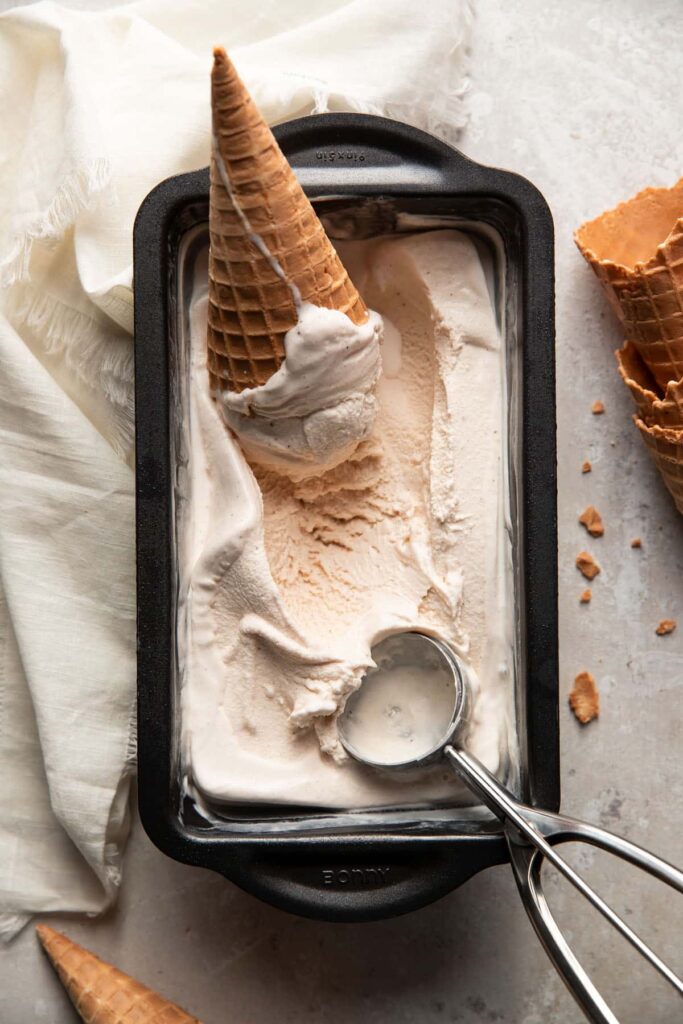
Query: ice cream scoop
x,y
411,709
414,699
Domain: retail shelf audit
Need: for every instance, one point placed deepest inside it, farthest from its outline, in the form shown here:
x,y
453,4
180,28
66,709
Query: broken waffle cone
x,y
666,448
268,248
659,419
654,410
668,411
101,993
636,250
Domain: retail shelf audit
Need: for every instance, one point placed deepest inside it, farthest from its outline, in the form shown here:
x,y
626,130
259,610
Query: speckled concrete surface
x,y
584,99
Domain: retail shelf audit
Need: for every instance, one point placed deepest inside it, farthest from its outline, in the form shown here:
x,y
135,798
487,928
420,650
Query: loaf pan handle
x,y
363,880
345,153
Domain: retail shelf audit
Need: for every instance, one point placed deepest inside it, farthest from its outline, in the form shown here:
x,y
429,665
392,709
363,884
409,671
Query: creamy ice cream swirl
x,y
286,585
320,403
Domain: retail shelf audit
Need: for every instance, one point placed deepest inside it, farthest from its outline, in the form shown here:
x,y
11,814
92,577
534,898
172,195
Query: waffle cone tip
x,y
227,93
223,70
50,938
56,944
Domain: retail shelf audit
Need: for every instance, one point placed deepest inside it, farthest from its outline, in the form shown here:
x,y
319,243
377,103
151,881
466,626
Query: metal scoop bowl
x,y
385,725
411,710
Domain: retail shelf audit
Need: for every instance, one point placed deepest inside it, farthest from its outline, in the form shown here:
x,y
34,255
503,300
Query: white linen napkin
x,y
97,108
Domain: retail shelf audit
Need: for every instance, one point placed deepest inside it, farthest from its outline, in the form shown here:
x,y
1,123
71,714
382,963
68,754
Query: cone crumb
x,y
598,408
665,626
587,565
584,699
586,467
636,542
592,520
586,597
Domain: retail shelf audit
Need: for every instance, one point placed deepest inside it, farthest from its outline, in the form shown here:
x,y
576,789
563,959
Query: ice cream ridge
x,y
344,482
293,351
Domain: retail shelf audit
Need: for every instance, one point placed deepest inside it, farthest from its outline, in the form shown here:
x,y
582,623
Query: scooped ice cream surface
x,y
288,580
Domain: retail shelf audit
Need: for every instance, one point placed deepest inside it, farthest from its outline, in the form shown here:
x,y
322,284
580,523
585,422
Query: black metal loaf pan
x,y
339,870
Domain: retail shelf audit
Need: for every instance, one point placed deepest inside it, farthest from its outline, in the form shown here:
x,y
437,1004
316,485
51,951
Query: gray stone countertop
x,y
584,100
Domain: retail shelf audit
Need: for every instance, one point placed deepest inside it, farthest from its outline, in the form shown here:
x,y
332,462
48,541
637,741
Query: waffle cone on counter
x,y
666,448
636,251
659,419
101,993
666,411
267,244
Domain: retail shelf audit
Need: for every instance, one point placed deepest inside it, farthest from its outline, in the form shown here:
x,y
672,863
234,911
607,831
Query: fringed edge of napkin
x,y
75,193
100,355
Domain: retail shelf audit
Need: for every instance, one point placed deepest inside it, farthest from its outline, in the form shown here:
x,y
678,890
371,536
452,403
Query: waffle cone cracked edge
x,y
636,251
659,419
654,410
251,307
101,993
666,448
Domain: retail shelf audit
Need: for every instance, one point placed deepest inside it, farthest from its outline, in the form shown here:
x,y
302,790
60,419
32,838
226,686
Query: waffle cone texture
x,y
655,408
101,993
636,251
268,248
666,448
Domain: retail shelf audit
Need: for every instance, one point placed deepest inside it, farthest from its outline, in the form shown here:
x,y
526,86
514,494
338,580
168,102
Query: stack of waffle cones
x,y
636,251
101,993
268,248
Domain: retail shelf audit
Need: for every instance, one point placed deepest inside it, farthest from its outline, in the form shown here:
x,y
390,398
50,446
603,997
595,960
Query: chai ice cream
x,y
317,407
288,580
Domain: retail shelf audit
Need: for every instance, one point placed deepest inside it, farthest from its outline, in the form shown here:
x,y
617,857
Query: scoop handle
x,y
531,837
526,866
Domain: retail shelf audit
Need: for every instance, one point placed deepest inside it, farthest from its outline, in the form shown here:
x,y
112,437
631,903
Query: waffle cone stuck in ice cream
x,y
101,993
636,250
268,248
